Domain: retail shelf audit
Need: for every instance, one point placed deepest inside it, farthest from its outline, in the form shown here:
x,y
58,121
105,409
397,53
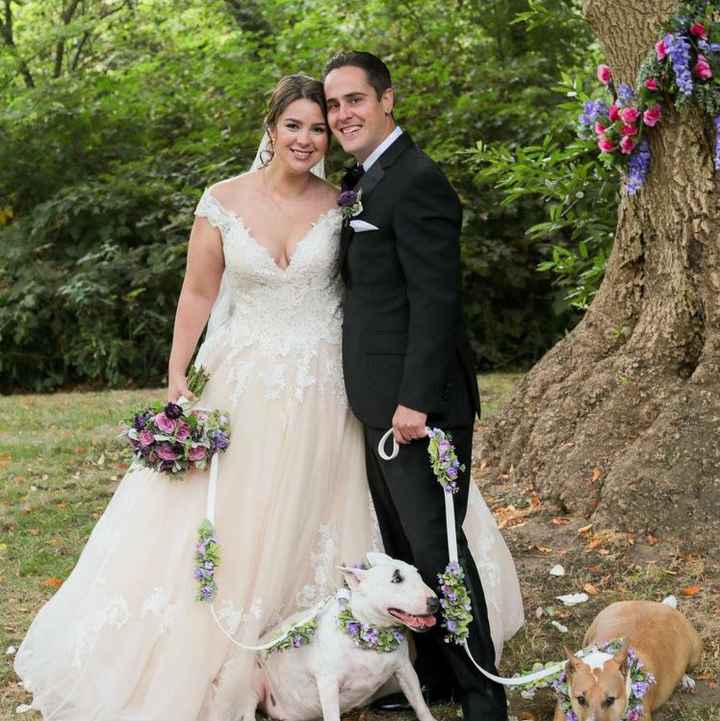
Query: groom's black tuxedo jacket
x,y
403,337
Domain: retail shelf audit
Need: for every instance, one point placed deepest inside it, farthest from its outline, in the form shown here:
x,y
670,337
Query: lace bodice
x,y
280,322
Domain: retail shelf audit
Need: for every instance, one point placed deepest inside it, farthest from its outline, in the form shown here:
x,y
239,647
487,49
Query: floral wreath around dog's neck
x,y
639,684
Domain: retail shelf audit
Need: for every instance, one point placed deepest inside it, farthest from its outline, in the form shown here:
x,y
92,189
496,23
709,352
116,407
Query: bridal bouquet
x,y
172,439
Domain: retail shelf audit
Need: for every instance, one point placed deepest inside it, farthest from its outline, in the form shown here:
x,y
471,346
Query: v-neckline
x,y
264,249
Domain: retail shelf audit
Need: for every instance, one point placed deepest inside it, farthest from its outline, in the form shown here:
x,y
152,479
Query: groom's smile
x,y
357,117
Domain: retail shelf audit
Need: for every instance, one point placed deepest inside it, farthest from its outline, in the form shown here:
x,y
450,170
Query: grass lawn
x,y
61,460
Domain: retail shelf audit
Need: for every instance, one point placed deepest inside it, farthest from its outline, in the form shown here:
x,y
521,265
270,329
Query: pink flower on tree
x,y
698,30
629,130
660,49
629,115
604,74
599,128
613,112
605,144
651,84
652,115
627,144
702,68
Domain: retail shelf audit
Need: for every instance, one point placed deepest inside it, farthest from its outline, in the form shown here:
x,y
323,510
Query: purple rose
x,y
219,440
347,198
173,410
451,625
165,424
166,452
146,438
353,628
141,420
183,431
197,453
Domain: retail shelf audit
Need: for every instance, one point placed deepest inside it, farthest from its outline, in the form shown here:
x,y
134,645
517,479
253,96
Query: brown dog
x,y
664,641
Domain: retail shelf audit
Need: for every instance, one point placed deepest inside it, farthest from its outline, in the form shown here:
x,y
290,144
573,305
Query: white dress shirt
x,y
367,163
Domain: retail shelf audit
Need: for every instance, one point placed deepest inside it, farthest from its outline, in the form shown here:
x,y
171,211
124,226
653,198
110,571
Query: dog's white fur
x,y
665,642
331,675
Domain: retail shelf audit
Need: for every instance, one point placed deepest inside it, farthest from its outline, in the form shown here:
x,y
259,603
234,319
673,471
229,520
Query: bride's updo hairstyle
x,y
287,91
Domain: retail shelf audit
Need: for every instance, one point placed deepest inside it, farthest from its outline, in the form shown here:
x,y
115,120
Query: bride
x,y
123,639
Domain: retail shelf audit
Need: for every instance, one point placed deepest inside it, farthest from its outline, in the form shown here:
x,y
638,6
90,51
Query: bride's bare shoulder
x,y
229,192
328,191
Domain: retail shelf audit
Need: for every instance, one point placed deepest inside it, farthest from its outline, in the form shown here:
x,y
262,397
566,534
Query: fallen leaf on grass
x,y
585,529
527,716
559,627
540,549
596,473
589,588
53,582
5,459
690,590
561,520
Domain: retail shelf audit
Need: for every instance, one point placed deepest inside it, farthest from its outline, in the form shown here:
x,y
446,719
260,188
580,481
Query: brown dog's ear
x,y
573,662
621,657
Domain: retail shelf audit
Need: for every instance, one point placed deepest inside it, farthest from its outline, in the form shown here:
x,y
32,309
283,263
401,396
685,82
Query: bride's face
x,y
300,137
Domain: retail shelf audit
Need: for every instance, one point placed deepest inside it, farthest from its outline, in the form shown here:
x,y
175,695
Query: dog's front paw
x,y
687,684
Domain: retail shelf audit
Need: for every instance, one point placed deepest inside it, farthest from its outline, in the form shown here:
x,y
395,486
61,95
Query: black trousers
x,y
410,506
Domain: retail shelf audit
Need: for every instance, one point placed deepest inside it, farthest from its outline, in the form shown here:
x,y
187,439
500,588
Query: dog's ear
x,y
573,662
353,576
621,657
378,559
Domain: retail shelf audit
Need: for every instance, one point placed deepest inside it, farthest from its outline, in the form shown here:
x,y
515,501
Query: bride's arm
x,y
203,272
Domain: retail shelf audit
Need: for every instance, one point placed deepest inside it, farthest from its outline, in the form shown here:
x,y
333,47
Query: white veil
x,y
222,309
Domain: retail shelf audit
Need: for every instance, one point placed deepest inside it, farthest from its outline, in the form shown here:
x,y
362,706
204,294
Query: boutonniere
x,y
350,204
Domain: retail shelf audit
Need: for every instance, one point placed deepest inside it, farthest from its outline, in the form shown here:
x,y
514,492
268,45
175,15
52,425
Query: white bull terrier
x,y
359,641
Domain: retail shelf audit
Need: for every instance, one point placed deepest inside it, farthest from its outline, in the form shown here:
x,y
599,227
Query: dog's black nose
x,y
433,604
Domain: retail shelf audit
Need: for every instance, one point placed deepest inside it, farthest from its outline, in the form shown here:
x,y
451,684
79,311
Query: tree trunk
x,y
620,421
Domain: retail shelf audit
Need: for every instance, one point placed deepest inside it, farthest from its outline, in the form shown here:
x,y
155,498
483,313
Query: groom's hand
x,y
408,424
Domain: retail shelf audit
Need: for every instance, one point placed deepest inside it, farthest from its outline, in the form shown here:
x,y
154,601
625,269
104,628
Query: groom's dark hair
x,y
377,72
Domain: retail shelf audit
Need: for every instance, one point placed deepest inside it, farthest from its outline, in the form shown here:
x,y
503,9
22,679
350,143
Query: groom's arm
x,y
427,223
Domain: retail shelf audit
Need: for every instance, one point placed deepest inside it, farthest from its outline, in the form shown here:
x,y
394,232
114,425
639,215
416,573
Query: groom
x,y
406,359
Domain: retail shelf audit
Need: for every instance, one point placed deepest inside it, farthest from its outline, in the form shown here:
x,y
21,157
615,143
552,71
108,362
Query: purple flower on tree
x,y
638,167
678,48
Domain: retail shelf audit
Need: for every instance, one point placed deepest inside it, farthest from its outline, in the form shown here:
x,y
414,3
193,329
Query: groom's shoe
x,y
396,702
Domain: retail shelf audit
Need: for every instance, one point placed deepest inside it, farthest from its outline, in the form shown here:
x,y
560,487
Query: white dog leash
x,y
210,515
453,558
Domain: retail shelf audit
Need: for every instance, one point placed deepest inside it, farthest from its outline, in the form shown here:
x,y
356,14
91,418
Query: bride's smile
x,y
300,138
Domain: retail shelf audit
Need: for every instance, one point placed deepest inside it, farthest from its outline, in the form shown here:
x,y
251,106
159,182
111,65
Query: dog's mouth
x,y
415,622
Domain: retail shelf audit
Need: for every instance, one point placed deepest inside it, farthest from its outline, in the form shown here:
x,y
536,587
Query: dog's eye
x,y
397,577
609,701
581,700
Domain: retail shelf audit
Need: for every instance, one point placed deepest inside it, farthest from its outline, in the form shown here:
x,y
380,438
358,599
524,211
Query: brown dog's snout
x,y
433,604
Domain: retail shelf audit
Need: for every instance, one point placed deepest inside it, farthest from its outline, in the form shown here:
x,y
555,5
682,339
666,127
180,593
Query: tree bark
x,y
620,421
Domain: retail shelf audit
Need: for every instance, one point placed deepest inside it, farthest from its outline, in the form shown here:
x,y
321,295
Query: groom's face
x,y
358,119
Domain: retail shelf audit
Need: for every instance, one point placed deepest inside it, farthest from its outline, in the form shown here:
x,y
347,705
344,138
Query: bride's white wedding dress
x,y
124,638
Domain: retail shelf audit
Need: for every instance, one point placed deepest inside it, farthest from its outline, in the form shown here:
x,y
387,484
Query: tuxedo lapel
x,y
377,171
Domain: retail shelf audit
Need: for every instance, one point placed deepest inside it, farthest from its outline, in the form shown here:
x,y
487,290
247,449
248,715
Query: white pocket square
x,y
360,226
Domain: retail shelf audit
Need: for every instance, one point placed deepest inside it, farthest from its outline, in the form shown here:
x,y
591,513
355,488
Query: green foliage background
x,y
114,118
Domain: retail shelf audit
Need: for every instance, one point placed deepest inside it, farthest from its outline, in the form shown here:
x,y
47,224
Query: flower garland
x,y
298,636
455,604
681,69
384,639
207,558
455,601
640,682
